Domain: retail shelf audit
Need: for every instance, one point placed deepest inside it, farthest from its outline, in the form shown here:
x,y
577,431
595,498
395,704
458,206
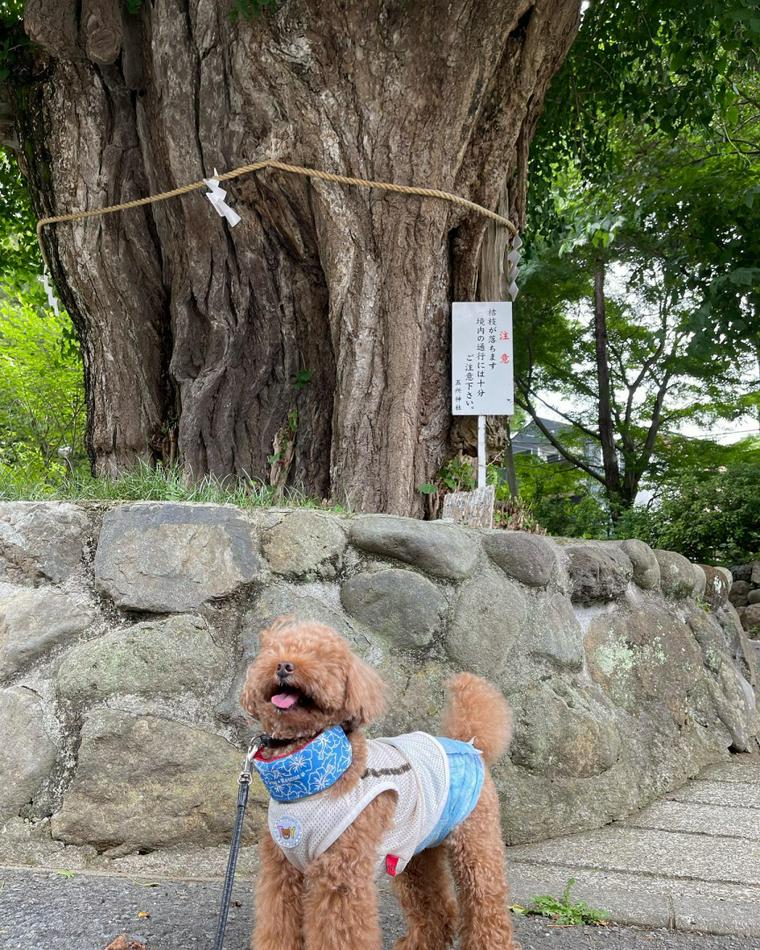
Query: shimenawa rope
x,y
280,166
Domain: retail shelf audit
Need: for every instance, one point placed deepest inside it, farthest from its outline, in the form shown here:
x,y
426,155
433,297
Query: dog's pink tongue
x,y
284,700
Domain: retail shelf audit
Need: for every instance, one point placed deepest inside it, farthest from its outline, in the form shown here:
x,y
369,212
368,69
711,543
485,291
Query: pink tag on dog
x,y
391,863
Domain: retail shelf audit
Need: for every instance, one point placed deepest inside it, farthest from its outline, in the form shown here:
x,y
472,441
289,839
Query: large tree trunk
x,y
193,333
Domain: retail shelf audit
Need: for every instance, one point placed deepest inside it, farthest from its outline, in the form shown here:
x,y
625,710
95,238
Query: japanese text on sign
x,y
482,382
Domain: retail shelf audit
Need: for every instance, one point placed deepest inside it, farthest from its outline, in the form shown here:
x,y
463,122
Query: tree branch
x,y
606,429
573,422
565,453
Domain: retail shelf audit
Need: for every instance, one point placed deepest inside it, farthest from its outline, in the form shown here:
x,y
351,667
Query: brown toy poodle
x,y
343,806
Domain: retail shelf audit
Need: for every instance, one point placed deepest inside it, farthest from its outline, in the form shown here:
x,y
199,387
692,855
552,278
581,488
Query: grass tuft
x,y
563,911
146,483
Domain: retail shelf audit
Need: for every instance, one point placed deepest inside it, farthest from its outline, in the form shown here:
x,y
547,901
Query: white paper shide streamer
x,y
217,196
52,300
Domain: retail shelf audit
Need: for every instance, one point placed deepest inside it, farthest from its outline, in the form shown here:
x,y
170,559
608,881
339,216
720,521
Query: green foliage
x,y
563,911
514,514
653,178
302,378
584,516
458,474
13,40
561,499
19,252
711,517
650,137
41,389
666,65
150,484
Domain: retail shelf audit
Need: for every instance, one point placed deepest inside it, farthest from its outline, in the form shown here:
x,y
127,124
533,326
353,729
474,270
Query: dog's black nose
x,y
284,670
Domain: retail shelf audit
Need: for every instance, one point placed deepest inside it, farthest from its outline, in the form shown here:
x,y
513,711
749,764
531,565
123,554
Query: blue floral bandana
x,y
309,770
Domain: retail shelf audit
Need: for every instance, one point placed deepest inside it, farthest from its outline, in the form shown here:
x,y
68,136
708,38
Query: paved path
x,y
690,861
44,911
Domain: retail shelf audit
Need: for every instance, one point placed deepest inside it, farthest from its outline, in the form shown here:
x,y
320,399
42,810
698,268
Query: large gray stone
x,y
319,602
488,621
717,585
143,783
170,558
34,621
528,558
307,543
646,570
751,621
739,593
754,647
738,643
563,731
157,658
552,638
598,571
700,582
27,752
726,573
40,540
416,696
402,606
440,549
732,697
753,597
676,574
644,657
742,572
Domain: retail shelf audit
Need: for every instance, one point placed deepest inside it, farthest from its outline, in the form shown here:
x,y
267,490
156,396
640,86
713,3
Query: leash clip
x,y
253,748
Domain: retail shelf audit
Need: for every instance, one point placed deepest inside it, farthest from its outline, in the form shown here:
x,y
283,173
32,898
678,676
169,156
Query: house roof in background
x,y
532,435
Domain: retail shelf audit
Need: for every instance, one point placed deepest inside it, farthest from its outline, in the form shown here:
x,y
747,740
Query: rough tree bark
x,y
193,334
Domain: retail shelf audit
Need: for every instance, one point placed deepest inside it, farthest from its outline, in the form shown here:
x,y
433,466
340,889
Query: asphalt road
x,y
50,911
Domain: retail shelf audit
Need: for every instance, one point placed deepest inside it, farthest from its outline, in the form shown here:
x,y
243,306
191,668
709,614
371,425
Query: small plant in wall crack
x,y
564,911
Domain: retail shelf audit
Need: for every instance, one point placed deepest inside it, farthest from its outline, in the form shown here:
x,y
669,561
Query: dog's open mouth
x,y
290,698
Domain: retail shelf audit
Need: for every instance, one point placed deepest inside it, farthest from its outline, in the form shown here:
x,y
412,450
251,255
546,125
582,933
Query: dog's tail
x,y
476,710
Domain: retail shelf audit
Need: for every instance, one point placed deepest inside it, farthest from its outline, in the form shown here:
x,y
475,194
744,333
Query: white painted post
x,y
481,451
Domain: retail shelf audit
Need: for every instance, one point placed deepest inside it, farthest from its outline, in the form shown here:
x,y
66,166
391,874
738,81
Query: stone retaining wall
x,y
745,596
125,632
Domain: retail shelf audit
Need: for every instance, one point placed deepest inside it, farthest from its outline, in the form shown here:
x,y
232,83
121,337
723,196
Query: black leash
x,y
244,785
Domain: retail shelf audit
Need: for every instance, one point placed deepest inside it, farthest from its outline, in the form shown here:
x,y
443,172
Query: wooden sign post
x,y
482,384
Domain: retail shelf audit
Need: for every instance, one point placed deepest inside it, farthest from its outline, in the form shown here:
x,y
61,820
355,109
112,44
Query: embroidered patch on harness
x,y
288,832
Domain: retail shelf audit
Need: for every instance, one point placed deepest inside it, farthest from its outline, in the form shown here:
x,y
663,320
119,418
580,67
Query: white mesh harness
x,y
414,766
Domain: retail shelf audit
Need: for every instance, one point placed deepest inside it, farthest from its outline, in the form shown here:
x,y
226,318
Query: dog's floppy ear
x,y
365,694
248,695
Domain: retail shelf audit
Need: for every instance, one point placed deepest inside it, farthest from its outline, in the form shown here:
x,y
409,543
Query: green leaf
x,y
302,378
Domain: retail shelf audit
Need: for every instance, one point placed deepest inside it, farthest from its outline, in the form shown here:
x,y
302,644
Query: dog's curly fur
x,y
333,905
